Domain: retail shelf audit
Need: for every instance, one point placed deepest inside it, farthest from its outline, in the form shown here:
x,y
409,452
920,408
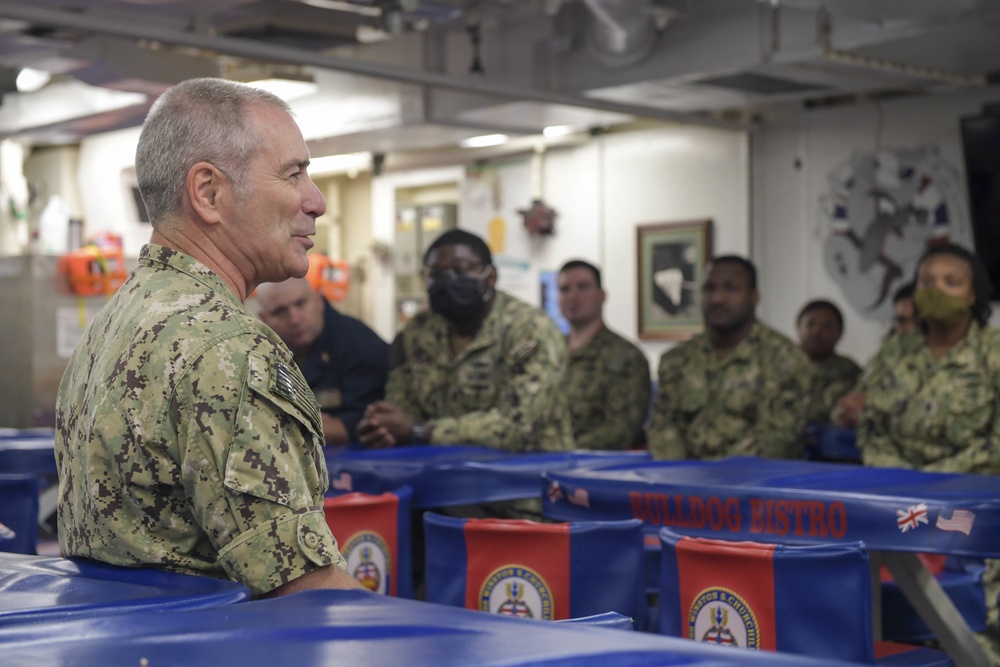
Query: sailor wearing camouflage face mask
x,y
932,394
480,368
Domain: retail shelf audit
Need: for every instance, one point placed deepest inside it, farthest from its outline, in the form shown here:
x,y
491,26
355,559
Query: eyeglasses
x,y
432,275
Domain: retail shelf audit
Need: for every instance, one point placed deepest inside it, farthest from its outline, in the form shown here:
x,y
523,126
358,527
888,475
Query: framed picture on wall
x,y
671,263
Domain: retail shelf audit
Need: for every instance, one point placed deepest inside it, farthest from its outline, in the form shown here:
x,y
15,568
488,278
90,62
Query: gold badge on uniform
x,y
329,398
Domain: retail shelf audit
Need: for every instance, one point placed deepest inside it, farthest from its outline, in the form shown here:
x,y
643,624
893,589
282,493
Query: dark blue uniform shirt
x,y
347,368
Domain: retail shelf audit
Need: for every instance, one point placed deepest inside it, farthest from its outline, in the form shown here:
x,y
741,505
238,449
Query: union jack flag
x,y
555,493
912,517
343,482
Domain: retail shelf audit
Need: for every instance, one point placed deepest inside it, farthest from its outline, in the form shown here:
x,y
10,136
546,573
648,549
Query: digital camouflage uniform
x,y
606,384
940,415
187,439
832,378
501,391
753,401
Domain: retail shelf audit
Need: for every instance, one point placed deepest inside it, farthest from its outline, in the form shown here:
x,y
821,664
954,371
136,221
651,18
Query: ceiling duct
x,y
135,65
620,33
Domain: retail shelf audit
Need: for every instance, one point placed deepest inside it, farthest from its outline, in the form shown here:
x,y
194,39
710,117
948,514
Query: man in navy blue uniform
x,y
342,359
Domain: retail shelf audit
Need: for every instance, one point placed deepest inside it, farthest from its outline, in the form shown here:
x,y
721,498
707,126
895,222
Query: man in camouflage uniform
x,y
820,325
342,359
479,368
185,436
739,388
606,380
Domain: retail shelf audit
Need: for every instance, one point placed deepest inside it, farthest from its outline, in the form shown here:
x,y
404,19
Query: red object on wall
x,y
93,271
329,277
539,219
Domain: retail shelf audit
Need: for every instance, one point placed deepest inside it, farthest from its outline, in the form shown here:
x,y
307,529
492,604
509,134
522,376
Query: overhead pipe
x,y
830,54
256,50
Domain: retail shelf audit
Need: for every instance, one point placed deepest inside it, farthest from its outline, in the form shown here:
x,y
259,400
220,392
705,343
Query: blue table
x,y
32,452
896,512
355,628
17,433
34,589
830,443
33,455
457,475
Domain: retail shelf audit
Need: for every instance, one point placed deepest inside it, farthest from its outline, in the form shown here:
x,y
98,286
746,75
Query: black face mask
x,y
456,298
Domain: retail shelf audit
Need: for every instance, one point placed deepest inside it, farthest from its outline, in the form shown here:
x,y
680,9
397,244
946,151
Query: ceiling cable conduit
x,y
927,73
830,54
260,51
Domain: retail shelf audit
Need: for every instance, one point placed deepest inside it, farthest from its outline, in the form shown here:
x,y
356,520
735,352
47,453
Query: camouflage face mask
x,y
934,306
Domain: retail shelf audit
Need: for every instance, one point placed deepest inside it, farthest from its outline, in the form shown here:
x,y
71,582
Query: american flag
x,y
912,517
343,482
579,497
960,521
554,493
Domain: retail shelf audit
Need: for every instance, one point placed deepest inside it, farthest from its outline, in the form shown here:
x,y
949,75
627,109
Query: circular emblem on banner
x,y
369,560
514,590
884,210
721,616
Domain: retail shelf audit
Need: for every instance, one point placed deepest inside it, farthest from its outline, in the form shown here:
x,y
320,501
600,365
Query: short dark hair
x,y
742,262
819,304
461,237
981,286
580,264
904,292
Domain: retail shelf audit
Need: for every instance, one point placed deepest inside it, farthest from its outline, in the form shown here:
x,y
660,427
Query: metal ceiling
x,y
453,66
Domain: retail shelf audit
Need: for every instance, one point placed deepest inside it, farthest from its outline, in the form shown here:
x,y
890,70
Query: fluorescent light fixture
x,y
286,89
346,163
483,141
554,131
29,80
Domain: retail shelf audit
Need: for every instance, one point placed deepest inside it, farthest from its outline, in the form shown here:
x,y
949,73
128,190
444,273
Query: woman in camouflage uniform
x,y
932,393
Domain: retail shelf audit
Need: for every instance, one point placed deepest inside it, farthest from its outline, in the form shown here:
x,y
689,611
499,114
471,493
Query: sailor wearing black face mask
x,y
481,367
459,298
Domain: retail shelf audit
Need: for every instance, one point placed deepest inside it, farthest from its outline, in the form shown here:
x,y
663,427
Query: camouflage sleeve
x,y
666,430
875,442
979,452
843,381
252,466
784,403
626,406
837,388
399,385
529,393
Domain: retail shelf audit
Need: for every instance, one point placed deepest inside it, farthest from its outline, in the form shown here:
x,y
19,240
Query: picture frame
x,y
671,259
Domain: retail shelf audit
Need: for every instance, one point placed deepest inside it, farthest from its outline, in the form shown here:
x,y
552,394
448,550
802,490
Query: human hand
x,y
847,411
384,425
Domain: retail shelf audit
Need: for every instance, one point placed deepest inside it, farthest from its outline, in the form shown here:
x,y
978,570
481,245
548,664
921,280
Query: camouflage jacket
x,y
832,378
187,439
501,391
606,383
941,415
753,401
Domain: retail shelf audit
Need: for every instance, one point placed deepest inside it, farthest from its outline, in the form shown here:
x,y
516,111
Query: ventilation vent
x,y
758,84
